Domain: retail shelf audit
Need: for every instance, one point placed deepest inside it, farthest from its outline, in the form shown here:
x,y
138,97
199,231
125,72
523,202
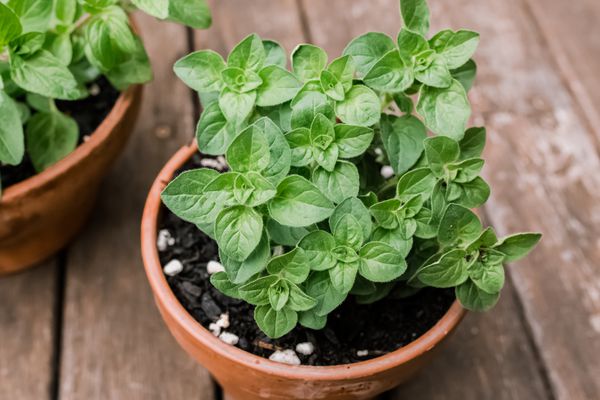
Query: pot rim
x,y
166,299
96,138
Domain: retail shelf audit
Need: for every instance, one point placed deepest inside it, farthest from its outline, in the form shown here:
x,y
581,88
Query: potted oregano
x,y
69,95
321,226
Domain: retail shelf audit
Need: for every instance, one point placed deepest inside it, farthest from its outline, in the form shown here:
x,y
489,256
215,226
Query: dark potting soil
x,y
89,114
379,328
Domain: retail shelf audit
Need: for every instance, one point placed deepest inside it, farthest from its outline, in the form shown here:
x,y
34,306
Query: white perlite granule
x,y
215,329
164,240
223,321
214,266
362,353
229,338
173,267
306,348
285,357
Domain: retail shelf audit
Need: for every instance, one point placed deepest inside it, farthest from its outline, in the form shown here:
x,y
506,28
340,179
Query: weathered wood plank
x,y
27,321
571,32
490,356
235,19
543,165
115,345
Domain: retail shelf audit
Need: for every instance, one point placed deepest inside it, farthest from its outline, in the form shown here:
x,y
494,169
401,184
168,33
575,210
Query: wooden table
x,y
83,325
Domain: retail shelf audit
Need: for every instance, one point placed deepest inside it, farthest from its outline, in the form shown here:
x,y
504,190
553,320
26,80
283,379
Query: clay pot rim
x,y
167,301
96,138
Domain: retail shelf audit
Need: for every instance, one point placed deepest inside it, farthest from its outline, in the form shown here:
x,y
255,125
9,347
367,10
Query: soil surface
x,y
351,329
89,114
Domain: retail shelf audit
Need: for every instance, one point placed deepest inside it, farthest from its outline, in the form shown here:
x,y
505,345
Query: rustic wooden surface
x,y
83,326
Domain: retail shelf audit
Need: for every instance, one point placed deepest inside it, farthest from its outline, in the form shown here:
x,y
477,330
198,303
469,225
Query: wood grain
x,y
543,164
491,355
27,321
115,346
570,30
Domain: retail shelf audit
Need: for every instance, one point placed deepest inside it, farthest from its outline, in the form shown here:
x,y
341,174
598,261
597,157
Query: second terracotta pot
x,y
245,376
42,214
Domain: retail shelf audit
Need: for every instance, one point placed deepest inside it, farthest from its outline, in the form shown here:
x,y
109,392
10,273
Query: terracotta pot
x,y
245,376
43,213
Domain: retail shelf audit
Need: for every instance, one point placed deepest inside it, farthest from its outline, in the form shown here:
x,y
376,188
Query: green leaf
x,y
278,86
472,144
343,69
474,193
300,301
385,213
451,270
249,151
33,14
459,225
320,288
239,272
214,134
465,74
415,14
518,246
238,231
301,146
12,142
11,26
44,74
344,253
236,107
292,266
352,141
184,195
273,323
256,292
156,8
327,157
27,43
343,275
390,74
60,45
274,54
348,232
309,319
224,285
318,247
135,70
435,75
307,105
356,208
331,86
367,49
65,11
299,203
339,184
50,138
280,155
308,61
394,238
239,80
440,151
417,181
380,262
446,111
474,299
467,170
455,47
262,189
195,14
249,54
487,239
278,293
404,103
361,107
201,70
411,43
402,140
488,277
285,235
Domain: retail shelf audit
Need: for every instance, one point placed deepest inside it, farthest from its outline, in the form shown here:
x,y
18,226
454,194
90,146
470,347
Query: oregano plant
x,y
303,216
51,49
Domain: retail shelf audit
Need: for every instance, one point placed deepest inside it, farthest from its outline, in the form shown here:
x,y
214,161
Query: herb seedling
x,y
50,49
305,149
